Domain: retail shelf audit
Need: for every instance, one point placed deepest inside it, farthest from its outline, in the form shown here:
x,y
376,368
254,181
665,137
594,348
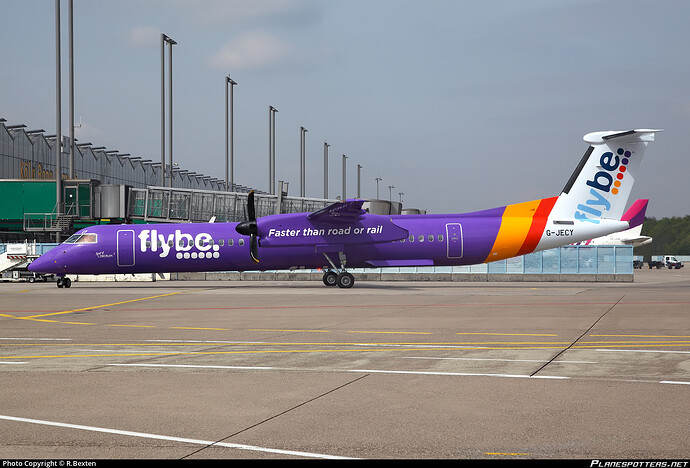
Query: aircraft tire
x,y
59,282
67,282
345,280
330,278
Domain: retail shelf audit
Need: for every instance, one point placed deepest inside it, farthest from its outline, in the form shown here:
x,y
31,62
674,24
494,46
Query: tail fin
x,y
600,186
635,215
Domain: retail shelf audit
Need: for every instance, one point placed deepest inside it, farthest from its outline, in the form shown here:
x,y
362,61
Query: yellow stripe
x,y
100,306
508,334
515,225
197,328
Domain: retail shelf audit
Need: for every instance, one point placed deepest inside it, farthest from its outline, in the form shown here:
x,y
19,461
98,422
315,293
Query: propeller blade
x,y
251,212
254,249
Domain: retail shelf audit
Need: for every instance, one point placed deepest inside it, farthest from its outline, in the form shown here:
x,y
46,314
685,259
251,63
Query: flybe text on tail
x,y
607,181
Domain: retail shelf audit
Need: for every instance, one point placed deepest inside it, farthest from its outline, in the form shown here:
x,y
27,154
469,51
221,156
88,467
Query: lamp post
x,y
71,88
229,139
401,194
325,170
344,176
58,112
377,179
302,162
359,173
165,39
272,150
390,192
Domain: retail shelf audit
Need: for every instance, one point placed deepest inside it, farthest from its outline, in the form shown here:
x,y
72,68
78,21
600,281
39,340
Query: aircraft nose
x,y
44,264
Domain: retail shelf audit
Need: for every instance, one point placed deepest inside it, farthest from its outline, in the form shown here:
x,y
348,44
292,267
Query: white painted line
x,y
38,339
502,360
200,341
391,345
675,382
10,362
173,439
463,374
198,367
643,351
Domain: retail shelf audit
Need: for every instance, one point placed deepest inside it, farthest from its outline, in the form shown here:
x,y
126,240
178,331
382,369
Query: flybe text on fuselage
x,y
180,241
601,185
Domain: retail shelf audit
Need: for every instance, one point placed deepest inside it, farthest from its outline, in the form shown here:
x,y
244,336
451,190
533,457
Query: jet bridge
x,y
176,205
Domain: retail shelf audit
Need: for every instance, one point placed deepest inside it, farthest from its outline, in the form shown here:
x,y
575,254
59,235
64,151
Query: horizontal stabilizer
x,y
347,211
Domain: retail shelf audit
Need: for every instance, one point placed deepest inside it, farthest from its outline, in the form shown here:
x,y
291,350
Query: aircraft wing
x,y
347,211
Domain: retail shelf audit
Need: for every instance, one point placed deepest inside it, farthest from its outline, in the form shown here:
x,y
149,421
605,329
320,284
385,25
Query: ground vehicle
x,y
637,264
655,264
671,262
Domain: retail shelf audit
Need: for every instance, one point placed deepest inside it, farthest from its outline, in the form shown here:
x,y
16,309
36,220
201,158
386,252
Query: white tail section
x,y
600,186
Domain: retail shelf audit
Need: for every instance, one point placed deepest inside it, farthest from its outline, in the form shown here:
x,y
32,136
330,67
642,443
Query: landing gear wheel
x,y
345,280
59,282
330,278
67,282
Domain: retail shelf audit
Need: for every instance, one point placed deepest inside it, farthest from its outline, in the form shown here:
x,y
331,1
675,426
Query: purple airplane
x,y
344,235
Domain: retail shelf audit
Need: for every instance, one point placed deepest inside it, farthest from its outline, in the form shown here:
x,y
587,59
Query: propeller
x,y
249,228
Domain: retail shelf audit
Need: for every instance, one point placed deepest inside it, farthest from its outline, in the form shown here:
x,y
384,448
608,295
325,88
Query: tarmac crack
x,y
282,413
578,338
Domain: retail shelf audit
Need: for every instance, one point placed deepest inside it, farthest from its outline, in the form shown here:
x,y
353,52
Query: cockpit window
x,y
87,238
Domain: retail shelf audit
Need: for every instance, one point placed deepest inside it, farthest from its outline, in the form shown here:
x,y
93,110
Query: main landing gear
x,y
64,282
337,276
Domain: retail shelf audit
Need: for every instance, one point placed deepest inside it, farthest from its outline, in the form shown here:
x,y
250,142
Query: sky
x,y
458,105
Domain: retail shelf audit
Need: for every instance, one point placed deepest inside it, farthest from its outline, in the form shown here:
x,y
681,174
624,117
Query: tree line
x,y
670,236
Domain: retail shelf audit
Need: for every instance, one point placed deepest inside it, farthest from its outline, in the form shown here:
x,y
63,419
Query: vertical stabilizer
x,y
600,186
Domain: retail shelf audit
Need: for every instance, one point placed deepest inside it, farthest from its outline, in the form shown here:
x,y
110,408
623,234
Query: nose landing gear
x,y
64,282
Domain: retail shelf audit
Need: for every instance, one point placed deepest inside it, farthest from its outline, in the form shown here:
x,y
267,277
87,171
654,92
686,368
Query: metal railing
x,y
164,204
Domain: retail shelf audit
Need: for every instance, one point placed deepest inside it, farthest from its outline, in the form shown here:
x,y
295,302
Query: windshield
x,y
84,238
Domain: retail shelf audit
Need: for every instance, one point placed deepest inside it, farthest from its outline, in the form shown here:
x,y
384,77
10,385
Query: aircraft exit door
x,y
125,247
454,240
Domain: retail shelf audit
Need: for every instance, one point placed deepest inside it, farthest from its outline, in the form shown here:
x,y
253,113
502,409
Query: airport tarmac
x,y
266,370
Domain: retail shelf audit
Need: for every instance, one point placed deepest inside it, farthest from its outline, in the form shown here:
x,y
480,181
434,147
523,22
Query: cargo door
x,y
125,248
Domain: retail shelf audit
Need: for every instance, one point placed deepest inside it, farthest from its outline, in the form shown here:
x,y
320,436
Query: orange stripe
x,y
538,224
515,224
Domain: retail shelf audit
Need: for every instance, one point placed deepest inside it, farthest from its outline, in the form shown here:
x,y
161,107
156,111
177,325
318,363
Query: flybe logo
x,y
604,182
185,245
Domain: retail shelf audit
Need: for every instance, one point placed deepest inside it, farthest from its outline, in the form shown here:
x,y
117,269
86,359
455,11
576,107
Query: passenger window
x,y
411,238
440,237
221,242
431,237
231,242
241,242
421,238
148,243
170,243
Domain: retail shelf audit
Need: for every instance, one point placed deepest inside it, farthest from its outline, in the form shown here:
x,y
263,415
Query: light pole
x,y
71,88
272,149
377,179
344,176
302,161
390,192
58,112
229,139
401,194
359,173
165,39
325,170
